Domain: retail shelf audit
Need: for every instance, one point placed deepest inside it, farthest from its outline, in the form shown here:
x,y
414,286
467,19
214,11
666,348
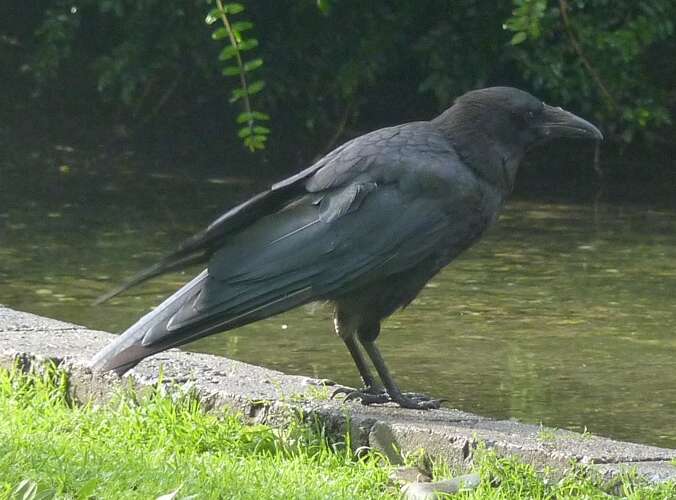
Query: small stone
x,y
318,382
382,439
409,475
425,491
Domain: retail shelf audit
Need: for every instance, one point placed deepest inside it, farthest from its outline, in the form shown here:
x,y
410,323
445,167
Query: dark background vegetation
x,y
118,141
106,77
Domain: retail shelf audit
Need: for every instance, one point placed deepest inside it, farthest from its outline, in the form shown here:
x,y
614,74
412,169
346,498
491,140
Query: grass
x,y
155,444
546,435
146,447
507,479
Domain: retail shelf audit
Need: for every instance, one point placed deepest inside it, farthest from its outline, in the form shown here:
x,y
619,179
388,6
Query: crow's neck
x,y
487,157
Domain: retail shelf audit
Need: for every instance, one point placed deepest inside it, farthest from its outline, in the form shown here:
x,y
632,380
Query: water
x,y
562,315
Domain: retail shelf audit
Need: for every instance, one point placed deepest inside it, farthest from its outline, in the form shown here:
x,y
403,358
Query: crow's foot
x,y
377,395
420,397
374,390
368,398
417,401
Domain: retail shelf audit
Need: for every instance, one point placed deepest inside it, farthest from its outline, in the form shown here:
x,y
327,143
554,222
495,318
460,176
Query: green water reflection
x,y
563,314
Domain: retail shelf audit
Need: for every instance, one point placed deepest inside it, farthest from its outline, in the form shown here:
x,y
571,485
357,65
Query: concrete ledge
x,y
264,395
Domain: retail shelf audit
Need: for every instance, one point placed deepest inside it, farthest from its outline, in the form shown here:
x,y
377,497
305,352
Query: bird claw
x,y
367,395
420,404
422,397
417,396
367,398
377,395
370,390
341,390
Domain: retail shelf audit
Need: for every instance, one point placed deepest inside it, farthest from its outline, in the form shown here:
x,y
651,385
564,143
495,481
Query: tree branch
x,y
240,64
563,4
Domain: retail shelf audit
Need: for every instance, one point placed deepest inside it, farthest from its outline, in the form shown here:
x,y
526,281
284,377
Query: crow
x,y
365,227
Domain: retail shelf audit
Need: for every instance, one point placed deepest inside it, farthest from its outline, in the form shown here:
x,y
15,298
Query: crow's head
x,y
494,127
515,115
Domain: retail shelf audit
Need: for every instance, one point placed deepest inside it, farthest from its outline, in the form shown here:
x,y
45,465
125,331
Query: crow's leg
x,y
362,364
371,391
345,328
414,401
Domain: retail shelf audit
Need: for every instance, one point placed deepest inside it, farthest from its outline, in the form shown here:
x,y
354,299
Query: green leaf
x,y
228,52
213,16
260,116
219,34
324,6
233,8
256,87
261,130
87,489
237,94
249,44
252,116
49,494
25,490
242,26
254,64
245,117
254,142
519,38
244,132
230,71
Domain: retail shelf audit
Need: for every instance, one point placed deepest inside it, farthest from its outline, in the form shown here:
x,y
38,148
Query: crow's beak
x,y
557,122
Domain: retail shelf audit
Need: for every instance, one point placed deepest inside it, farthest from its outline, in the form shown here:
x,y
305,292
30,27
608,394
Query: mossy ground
x,y
151,445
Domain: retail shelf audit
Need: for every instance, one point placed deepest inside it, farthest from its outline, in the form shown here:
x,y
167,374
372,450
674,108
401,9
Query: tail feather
x,y
166,265
199,247
154,333
127,350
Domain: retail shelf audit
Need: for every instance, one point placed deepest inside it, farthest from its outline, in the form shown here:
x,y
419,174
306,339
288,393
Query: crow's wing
x,y
375,207
337,168
199,247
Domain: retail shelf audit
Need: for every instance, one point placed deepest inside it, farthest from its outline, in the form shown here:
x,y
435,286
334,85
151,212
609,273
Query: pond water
x,y
562,315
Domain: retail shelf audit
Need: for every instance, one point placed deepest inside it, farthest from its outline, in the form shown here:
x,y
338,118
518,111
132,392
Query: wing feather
x,y
363,213
384,237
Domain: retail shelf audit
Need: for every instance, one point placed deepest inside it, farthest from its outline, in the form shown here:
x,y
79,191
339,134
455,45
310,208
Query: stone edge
x,y
447,434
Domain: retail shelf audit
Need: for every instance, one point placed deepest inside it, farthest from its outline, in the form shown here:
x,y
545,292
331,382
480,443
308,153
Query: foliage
x,y
508,478
56,33
331,64
146,445
463,50
163,443
598,57
252,133
137,57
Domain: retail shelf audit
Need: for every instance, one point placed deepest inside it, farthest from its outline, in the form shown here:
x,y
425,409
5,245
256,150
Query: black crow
x,y
365,227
